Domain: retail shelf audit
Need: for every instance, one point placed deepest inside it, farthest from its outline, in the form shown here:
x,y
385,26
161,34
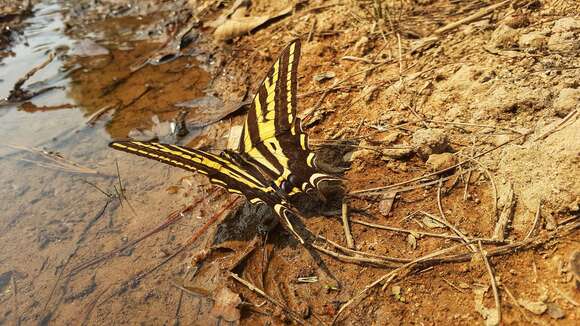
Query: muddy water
x,y
55,213
43,34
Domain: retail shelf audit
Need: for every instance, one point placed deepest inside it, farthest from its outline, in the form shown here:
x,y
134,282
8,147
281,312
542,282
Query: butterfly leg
x,y
281,211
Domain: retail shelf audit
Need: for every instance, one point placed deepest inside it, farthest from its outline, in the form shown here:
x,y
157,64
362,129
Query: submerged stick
x,y
17,94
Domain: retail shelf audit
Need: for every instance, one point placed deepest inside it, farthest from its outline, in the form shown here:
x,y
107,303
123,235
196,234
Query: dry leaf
x,y
172,189
554,311
231,12
324,76
236,26
235,137
386,204
575,267
206,110
398,293
431,223
226,306
490,315
412,241
536,307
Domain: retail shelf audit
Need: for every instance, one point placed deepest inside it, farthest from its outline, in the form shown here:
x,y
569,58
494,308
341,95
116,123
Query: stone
x,y
567,100
565,35
504,37
566,24
533,40
535,307
396,153
429,141
441,161
563,42
555,312
516,21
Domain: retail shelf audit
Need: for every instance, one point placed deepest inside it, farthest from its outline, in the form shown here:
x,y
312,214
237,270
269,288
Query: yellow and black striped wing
x,y
221,171
272,135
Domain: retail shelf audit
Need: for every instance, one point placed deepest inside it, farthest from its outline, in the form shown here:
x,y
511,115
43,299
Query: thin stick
x,y
169,220
493,186
345,225
449,225
492,281
388,278
536,220
505,216
178,310
466,185
400,57
191,240
95,116
16,92
354,260
15,297
311,33
506,249
482,12
515,301
437,172
254,289
60,163
452,285
557,127
427,234
566,296
362,253
91,306
473,125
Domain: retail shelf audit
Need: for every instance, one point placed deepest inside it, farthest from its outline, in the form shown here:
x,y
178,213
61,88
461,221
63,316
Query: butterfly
x,y
273,164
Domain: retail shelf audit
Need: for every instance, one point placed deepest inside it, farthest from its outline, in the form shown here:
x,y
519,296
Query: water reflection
x,y
48,215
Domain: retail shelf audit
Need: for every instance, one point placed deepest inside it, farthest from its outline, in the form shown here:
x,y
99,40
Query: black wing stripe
x,y
221,171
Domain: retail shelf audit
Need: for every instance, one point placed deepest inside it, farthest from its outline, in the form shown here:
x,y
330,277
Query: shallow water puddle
x,y
50,211
44,34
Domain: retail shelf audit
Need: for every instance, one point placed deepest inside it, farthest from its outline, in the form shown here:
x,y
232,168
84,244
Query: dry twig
x,y
557,127
536,220
451,227
57,162
295,316
15,299
387,278
505,216
427,234
482,12
346,226
18,94
492,281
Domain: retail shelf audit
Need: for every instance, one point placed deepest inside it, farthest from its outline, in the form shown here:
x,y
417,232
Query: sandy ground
x,y
390,90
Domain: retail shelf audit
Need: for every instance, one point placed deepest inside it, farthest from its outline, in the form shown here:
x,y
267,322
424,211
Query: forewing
x,y
221,171
272,113
272,134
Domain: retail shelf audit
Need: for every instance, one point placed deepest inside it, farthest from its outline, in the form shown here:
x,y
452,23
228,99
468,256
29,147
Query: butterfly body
x,y
273,164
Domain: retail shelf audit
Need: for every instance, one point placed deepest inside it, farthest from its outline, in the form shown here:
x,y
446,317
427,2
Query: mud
x,y
389,90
